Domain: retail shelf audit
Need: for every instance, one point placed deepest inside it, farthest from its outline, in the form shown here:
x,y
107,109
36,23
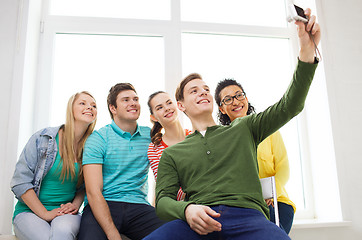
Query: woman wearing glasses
x,y
271,153
48,177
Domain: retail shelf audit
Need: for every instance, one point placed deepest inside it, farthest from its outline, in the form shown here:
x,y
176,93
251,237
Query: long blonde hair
x,y
67,151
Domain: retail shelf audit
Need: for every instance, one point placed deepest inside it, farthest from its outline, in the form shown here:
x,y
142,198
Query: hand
x,y
269,202
68,208
305,34
200,219
50,215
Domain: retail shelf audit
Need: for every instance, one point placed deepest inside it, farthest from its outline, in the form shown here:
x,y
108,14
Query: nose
x,y
235,101
203,92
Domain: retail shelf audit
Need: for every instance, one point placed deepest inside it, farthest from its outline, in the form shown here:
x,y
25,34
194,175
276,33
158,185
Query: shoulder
x,y
144,130
48,131
100,136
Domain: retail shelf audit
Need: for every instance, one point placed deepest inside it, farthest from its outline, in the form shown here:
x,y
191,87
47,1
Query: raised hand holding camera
x,y
308,32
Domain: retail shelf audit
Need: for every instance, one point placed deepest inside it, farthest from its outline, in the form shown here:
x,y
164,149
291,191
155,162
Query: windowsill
x,y
315,223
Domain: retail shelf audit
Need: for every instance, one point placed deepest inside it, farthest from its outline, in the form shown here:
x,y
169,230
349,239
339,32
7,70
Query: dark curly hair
x,y
224,118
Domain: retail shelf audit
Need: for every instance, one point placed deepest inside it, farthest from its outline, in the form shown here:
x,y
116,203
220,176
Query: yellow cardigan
x,y
273,161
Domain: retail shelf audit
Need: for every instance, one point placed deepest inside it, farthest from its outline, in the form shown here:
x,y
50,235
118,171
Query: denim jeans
x,y
286,216
237,223
28,226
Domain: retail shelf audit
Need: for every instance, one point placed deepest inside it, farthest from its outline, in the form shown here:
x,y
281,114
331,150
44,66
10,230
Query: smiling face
x,y
238,108
128,107
84,109
197,99
163,109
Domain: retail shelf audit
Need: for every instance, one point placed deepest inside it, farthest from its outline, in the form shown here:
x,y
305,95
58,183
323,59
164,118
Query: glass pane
x,y
97,62
262,12
262,66
141,9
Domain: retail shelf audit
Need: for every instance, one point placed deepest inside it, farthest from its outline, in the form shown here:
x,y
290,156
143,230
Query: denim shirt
x,y
35,161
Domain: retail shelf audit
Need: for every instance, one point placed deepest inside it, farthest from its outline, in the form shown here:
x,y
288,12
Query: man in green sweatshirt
x,y
216,166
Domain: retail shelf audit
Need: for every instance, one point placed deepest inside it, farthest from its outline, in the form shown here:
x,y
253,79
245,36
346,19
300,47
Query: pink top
x,y
154,154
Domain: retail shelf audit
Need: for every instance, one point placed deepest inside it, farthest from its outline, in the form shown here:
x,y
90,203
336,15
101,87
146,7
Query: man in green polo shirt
x,y
216,166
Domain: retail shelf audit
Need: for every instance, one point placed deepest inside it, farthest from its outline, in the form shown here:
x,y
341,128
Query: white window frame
x,y
171,31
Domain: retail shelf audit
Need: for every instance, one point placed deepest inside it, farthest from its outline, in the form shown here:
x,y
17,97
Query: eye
x,y
193,91
95,106
82,103
207,89
158,108
135,99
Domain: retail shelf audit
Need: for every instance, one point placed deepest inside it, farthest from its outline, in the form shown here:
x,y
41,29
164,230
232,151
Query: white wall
x,y
342,49
342,46
10,106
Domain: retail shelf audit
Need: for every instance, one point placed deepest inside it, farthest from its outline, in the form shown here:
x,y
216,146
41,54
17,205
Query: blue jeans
x,y
28,226
131,219
237,223
286,216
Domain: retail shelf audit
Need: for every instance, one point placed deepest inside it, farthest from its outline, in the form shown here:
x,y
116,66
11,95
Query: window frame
x,y
171,31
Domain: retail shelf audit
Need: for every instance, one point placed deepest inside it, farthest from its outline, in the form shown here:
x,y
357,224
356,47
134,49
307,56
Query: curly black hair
x,y
224,118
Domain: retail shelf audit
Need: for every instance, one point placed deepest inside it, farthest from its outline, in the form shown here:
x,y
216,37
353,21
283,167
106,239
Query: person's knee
x,y
67,225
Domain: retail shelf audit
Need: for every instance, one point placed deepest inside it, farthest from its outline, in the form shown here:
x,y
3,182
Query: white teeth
x,y
133,111
169,114
204,101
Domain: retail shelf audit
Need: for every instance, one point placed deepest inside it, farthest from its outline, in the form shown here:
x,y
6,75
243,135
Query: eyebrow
x,y
84,100
169,100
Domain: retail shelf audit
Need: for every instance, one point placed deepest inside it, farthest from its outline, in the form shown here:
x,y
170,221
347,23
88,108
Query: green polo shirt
x,y
221,167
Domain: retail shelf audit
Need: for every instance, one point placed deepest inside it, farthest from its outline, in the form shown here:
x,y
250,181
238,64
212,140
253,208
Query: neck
x,y
174,133
201,123
79,130
127,126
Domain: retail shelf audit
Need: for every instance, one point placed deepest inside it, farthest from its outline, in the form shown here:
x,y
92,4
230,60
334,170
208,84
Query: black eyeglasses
x,y
230,99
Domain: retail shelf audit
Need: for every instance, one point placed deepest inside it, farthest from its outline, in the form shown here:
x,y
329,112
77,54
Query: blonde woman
x,y
48,175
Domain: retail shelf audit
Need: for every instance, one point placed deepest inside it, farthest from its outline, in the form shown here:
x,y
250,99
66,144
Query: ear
x,y
153,119
112,108
222,110
181,106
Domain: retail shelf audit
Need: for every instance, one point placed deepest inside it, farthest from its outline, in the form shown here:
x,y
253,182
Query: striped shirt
x,y
124,162
154,154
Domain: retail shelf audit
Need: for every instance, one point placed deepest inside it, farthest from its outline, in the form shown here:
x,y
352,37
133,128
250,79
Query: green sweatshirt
x,y
221,168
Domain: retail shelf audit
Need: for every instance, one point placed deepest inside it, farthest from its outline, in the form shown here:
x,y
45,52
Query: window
x,y
143,9
94,46
262,12
97,62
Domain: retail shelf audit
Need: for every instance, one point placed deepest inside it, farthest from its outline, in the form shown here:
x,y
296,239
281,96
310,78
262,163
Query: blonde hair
x,y
67,151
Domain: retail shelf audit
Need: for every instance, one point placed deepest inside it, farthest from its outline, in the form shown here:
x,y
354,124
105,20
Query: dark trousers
x,y
286,216
237,223
131,219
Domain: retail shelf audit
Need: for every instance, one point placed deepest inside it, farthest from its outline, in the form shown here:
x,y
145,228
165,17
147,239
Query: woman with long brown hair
x,y
164,115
